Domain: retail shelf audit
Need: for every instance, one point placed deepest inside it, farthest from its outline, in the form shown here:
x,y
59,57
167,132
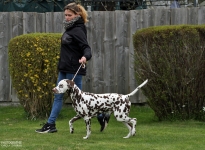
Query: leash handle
x,y
81,65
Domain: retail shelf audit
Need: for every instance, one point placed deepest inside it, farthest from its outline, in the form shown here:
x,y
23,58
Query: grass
x,y
151,134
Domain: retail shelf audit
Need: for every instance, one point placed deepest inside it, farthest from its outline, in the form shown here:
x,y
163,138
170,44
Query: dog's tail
x,y
141,85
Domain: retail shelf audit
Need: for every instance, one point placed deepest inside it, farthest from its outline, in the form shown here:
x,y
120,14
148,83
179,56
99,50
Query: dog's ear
x,y
70,83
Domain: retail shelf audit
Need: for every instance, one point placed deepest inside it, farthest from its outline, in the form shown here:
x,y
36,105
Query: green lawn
x,y
18,133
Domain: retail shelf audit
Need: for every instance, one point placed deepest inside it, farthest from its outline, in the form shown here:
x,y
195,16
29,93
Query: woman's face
x,y
69,15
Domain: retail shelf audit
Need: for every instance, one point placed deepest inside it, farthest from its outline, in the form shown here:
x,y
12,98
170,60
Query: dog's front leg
x,y
71,121
88,127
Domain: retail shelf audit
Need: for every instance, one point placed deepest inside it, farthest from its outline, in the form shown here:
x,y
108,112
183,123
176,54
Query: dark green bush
x,y
33,69
173,59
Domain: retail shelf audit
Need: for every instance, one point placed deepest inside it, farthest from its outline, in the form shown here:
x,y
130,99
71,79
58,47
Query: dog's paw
x,y
126,137
133,132
85,138
71,131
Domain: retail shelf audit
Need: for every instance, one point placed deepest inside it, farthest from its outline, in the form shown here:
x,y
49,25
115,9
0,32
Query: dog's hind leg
x,y
134,123
130,123
71,121
129,126
126,121
88,128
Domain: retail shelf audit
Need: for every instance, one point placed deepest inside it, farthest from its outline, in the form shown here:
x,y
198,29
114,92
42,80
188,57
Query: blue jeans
x,y
58,98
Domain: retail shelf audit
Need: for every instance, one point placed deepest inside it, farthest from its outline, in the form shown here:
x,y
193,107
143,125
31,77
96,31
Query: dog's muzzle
x,y
55,90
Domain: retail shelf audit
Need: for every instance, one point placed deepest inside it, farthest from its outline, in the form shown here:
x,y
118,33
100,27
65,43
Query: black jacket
x,y
74,45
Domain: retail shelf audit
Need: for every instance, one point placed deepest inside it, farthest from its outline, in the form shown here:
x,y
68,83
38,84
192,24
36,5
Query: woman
x,y
74,51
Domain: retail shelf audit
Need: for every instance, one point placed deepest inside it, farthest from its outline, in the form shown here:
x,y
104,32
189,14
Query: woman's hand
x,y
82,60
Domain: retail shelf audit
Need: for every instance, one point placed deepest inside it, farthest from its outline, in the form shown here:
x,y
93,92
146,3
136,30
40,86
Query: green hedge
x,y
173,59
33,69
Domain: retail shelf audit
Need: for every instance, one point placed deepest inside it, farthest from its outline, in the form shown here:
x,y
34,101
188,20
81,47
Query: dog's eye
x,y
61,86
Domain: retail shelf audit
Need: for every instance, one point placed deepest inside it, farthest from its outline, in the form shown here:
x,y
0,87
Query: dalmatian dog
x,y
88,105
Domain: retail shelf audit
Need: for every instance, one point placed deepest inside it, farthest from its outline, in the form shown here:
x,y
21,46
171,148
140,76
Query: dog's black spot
x,y
117,102
105,97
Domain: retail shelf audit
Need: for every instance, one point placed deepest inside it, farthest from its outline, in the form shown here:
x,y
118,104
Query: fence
x,y
58,5
110,37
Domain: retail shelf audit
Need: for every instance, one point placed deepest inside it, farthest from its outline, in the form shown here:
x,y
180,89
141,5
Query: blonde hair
x,y
77,9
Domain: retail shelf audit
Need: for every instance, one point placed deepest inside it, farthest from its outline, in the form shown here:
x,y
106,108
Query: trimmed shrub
x,y
33,69
173,59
